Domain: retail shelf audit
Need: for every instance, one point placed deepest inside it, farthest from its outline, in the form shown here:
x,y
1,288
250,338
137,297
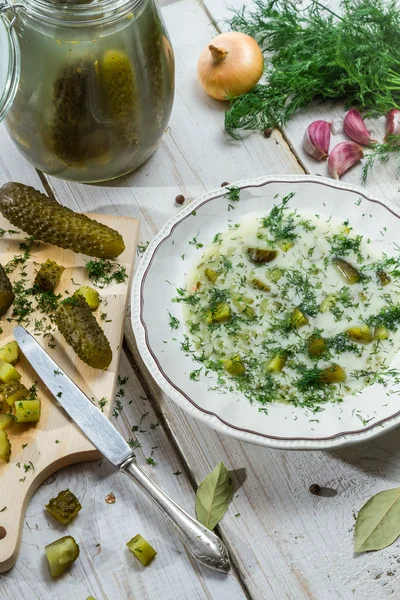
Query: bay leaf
x,y
378,522
213,496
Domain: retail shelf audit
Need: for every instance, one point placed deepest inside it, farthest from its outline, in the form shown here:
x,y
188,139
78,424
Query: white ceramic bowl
x,y
374,411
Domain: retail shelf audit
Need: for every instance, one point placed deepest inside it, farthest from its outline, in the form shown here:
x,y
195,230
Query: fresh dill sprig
x,y
382,153
312,54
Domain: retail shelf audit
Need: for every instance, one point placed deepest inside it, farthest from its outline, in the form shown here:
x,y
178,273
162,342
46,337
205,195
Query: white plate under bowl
x,y
162,270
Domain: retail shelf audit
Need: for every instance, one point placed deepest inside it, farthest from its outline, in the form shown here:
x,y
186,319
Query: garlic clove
x,y
317,138
342,157
354,127
393,123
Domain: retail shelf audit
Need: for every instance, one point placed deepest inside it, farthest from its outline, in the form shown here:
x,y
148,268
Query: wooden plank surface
x,y
286,543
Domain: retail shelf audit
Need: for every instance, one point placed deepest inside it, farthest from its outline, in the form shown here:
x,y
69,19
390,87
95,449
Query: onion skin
x,y
231,65
317,138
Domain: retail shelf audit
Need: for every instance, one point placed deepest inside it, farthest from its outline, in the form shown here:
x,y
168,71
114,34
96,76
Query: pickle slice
x,y
261,255
349,273
5,421
6,292
316,346
61,554
77,324
361,334
234,365
64,507
38,215
49,275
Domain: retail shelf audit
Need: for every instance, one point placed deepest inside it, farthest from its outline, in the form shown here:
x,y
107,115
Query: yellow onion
x,y
230,65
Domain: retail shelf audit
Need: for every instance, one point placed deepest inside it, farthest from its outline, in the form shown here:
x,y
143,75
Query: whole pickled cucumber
x,y
6,293
77,324
74,132
46,220
121,94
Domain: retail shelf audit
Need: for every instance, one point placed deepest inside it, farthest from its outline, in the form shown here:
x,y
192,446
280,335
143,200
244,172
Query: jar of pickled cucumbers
x,y
86,86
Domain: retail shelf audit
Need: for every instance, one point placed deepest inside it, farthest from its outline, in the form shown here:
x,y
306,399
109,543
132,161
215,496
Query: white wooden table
x,y
284,542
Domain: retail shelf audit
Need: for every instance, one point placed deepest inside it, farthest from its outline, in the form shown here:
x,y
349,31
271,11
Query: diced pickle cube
x,y
64,507
260,285
275,274
381,332
362,334
27,411
276,364
327,303
49,275
383,277
141,549
5,446
8,373
349,273
332,374
219,314
91,296
12,392
316,346
233,365
265,305
298,319
211,275
285,246
5,421
61,554
10,353
261,255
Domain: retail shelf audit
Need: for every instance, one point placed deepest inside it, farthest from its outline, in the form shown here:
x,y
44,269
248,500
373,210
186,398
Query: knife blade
x,y
204,545
86,415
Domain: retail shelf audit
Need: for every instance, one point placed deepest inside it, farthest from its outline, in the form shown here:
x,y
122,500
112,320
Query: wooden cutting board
x,y
38,450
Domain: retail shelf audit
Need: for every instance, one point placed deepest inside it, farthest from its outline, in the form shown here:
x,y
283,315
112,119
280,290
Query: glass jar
x,y
95,88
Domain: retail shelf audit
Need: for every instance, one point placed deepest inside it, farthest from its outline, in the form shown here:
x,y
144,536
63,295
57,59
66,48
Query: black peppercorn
x,y
180,199
225,183
315,489
268,132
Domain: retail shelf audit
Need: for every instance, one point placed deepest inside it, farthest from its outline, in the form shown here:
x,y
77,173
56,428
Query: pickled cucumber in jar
x,y
74,132
47,220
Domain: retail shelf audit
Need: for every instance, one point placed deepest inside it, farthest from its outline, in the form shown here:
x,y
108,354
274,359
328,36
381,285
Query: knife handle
x,y
202,543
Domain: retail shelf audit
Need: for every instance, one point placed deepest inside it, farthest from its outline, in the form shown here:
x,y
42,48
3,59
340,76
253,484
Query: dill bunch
x,y
313,54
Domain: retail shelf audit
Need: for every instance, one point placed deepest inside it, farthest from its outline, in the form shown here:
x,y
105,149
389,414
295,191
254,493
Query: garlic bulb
x,y
317,138
342,157
354,127
230,65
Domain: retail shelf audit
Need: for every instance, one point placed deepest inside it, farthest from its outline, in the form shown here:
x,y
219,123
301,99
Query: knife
x,y
202,543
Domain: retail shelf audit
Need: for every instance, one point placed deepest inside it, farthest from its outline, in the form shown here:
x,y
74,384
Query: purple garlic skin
x,y
343,157
317,138
354,127
393,123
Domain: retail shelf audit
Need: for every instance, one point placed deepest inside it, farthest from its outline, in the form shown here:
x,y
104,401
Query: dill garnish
x,y
103,272
312,53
